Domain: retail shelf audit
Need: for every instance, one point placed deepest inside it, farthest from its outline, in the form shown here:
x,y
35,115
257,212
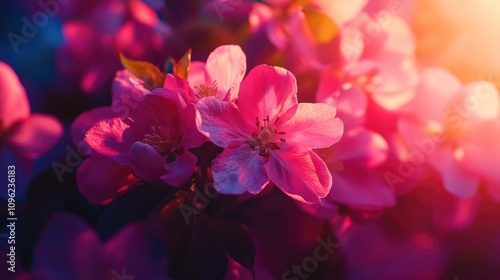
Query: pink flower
x,y
23,136
276,17
153,140
329,36
100,179
69,249
453,128
269,137
379,58
94,39
355,159
221,75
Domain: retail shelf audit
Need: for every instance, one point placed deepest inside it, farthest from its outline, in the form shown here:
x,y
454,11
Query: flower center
x,y
165,143
202,91
267,137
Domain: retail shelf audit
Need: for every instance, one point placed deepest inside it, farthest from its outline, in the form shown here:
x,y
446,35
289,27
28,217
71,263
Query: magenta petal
x,y
88,119
239,169
221,122
456,179
100,179
67,249
303,176
226,66
196,75
481,150
351,45
178,85
106,138
313,126
36,135
268,92
146,163
181,170
434,80
138,251
362,145
127,91
161,108
394,86
350,101
14,105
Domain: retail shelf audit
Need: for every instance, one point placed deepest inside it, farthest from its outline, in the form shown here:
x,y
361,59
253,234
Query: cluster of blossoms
x,y
373,125
266,134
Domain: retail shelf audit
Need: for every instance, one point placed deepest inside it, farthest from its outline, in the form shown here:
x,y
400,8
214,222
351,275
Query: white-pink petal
x,y
313,126
303,176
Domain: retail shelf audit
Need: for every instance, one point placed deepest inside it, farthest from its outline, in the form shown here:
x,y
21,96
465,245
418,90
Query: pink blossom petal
x,y
36,135
127,91
226,66
480,152
221,122
268,92
480,101
100,179
14,105
67,249
350,101
313,53
239,169
434,80
351,45
179,85
394,86
423,148
85,121
146,162
362,145
159,109
313,126
341,11
392,48
96,77
196,75
139,250
456,179
360,188
262,16
303,176
191,137
106,138
143,13
413,133
385,39
181,170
